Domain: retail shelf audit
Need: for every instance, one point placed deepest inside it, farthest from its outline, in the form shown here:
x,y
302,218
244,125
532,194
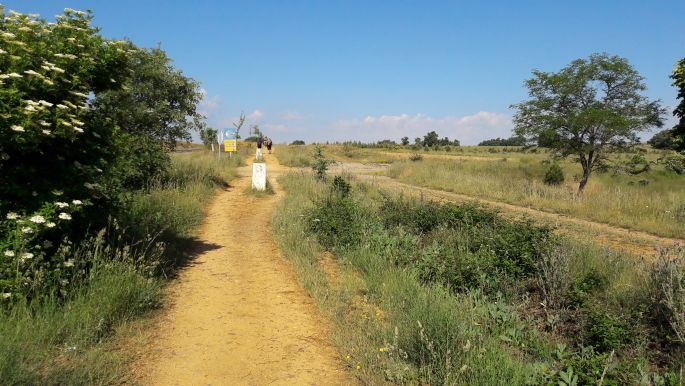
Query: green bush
x,y
341,187
337,221
415,157
554,175
607,332
298,142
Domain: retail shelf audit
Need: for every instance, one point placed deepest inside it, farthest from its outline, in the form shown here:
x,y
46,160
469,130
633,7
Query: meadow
x,y
428,293
652,201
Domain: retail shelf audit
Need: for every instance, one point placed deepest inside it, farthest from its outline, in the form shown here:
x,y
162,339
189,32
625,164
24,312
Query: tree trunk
x,y
583,180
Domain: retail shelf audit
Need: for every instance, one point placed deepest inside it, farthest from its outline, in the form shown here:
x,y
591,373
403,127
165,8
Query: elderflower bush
x,y
53,153
27,262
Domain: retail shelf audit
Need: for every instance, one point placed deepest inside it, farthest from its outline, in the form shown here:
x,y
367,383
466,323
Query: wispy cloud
x,y
469,129
255,116
292,116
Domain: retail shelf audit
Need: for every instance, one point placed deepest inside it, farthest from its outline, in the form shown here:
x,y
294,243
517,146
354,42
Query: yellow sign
x,y
230,145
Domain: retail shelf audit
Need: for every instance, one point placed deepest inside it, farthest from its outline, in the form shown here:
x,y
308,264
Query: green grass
x,y
56,343
620,200
379,305
501,326
75,341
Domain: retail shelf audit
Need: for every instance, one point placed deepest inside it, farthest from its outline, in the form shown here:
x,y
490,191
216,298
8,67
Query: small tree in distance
x,y
405,141
591,107
238,125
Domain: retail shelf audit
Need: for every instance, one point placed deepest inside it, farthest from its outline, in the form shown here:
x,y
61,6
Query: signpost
x,y
229,137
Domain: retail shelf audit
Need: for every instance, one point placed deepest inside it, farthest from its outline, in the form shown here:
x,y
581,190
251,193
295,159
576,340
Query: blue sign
x,y
228,133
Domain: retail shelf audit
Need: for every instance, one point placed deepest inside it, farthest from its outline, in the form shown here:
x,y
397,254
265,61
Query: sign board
x,y
229,137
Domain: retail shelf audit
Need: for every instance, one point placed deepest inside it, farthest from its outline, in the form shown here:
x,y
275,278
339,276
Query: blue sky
x,y
369,70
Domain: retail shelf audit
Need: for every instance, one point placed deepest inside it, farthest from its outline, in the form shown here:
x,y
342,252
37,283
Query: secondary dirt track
x,y
237,315
636,242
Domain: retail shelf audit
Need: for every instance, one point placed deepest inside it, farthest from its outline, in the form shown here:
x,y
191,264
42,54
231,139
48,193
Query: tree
x,y
431,139
418,141
255,130
238,125
678,77
593,105
513,141
405,141
208,136
663,140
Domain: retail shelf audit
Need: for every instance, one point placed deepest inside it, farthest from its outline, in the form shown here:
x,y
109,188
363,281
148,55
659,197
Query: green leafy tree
x,y
663,140
156,107
431,139
208,136
678,77
405,141
593,105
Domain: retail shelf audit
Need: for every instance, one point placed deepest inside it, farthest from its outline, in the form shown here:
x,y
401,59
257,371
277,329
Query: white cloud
x,y
255,116
292,116
469,129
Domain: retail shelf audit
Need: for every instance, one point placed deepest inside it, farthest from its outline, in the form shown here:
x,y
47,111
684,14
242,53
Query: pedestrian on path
x,y
269,143
260,142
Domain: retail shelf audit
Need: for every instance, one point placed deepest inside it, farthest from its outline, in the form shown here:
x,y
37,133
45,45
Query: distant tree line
x,y
513,141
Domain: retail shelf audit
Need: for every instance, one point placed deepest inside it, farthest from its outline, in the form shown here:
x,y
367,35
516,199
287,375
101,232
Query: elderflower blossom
x,y
9,253
50,225
69,263
26,256
12,216
6,295
78,94
31,72
61,204
61,106
37,219
64,216
57,192
26,230
18,128
78,129
2,51
46,132
14,75
8,35
45,103
76,202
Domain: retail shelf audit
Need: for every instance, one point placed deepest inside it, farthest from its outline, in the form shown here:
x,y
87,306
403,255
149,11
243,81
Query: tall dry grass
x,y
658,207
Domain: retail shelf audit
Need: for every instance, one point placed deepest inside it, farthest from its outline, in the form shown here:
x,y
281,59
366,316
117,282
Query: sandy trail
x,y
614,237
237,314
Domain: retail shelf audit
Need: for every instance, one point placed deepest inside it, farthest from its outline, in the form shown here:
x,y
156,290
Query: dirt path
x,y
237,314
617,238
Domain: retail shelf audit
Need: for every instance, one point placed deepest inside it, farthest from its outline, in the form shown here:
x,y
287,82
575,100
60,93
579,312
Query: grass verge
x,y
74,341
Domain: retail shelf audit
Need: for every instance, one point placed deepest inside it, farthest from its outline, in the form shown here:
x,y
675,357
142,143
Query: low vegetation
x,y
650,201
454,294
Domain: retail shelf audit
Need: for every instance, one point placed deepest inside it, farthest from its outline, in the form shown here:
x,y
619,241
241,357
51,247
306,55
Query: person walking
x,y
269,143
260,142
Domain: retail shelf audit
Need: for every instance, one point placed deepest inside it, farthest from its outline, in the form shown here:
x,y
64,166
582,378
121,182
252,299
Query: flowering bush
x,y
83,120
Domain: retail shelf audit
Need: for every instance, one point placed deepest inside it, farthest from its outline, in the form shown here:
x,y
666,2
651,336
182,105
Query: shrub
x,y
674,163
297,142
320,165
336,221
552,275
554,175
637,164
607,332
668,290
341,187
415,157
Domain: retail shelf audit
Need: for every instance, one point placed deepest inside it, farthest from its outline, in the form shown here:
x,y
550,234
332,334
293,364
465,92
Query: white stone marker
x,y
259,176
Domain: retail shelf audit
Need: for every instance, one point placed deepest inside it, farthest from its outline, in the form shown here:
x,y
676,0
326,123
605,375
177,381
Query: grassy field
x,y
613,199
653,201
423,293
75,341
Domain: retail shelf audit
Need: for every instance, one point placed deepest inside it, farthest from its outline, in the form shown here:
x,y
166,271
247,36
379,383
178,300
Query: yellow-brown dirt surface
x,y
236,314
